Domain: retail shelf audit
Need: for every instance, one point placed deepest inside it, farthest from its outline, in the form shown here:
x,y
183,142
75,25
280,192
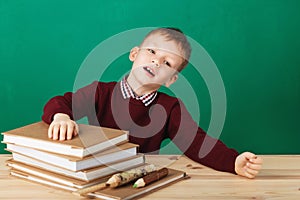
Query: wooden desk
x,y
279,179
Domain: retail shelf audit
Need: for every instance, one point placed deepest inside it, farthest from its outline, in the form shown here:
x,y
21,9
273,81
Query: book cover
x,y
88,174
113,154
90,139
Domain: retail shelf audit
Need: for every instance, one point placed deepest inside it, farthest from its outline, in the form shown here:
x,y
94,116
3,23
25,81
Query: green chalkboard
x,y
255,45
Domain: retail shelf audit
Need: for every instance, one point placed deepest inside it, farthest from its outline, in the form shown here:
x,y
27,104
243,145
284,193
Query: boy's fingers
x,y
248,175
50,130
76,129
251,171
55,131
249,164
257,160
254,166
62,131
249,155
70,131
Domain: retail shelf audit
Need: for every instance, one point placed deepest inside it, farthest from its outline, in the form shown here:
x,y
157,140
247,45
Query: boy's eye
x,y
151,51
167,63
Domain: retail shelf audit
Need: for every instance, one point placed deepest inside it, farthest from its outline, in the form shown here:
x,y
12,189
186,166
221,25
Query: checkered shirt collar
x,y
127,92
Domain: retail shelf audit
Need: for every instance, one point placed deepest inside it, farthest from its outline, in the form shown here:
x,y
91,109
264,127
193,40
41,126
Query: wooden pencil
x,y
128,176
151,177
94,188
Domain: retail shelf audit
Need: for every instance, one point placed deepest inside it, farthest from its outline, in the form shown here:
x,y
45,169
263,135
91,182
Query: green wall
x,y
255,45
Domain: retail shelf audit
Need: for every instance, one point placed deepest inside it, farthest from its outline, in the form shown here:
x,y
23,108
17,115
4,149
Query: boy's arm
x,y
58,104
197,145
62,111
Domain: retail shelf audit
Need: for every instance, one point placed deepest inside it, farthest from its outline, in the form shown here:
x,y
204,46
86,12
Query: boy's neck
x,y
137,88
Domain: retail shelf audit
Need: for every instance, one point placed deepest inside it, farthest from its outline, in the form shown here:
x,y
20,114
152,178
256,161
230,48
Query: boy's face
x,y
155,62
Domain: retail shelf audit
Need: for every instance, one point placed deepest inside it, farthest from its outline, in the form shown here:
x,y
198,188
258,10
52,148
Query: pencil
x,y
118,179
128,176
151,177
84,191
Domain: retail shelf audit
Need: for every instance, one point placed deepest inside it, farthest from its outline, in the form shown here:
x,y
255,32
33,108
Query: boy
x,y
134,104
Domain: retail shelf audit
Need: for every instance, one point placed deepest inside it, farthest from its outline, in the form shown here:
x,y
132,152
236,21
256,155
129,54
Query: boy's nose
x,y
155,62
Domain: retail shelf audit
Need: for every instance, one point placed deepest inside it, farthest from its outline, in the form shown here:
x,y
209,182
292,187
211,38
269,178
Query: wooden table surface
x,y
279,179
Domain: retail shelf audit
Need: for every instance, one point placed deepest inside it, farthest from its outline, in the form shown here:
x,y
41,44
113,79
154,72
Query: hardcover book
x,y
27,171
113,154
91,139
88,174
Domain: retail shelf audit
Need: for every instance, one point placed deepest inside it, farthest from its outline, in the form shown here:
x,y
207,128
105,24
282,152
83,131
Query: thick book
x,y
85,175
127,191
91,139
116,153
32,178
31,171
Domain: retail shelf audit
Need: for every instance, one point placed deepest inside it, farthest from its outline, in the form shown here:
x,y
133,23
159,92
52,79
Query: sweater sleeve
x,y
196,144
76,105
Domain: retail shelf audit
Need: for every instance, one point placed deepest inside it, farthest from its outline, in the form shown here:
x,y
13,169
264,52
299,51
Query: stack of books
x,y
71,164
88,159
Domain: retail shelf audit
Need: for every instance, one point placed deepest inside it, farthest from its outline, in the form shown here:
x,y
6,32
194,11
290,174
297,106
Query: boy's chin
x,y
154,86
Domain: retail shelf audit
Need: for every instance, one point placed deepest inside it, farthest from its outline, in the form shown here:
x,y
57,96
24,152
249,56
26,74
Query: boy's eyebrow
x,y
162,49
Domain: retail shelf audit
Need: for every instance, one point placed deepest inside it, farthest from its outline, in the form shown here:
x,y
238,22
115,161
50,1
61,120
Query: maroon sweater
x,y
166,117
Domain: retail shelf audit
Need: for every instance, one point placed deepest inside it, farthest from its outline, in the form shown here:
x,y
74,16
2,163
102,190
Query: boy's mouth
x,y
149,70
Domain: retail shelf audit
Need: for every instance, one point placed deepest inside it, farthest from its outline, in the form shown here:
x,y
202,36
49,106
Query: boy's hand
x,y
62,127
248,164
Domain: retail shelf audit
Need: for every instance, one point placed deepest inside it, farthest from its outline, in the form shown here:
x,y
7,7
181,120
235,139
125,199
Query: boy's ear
x,y
133,53
172,80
